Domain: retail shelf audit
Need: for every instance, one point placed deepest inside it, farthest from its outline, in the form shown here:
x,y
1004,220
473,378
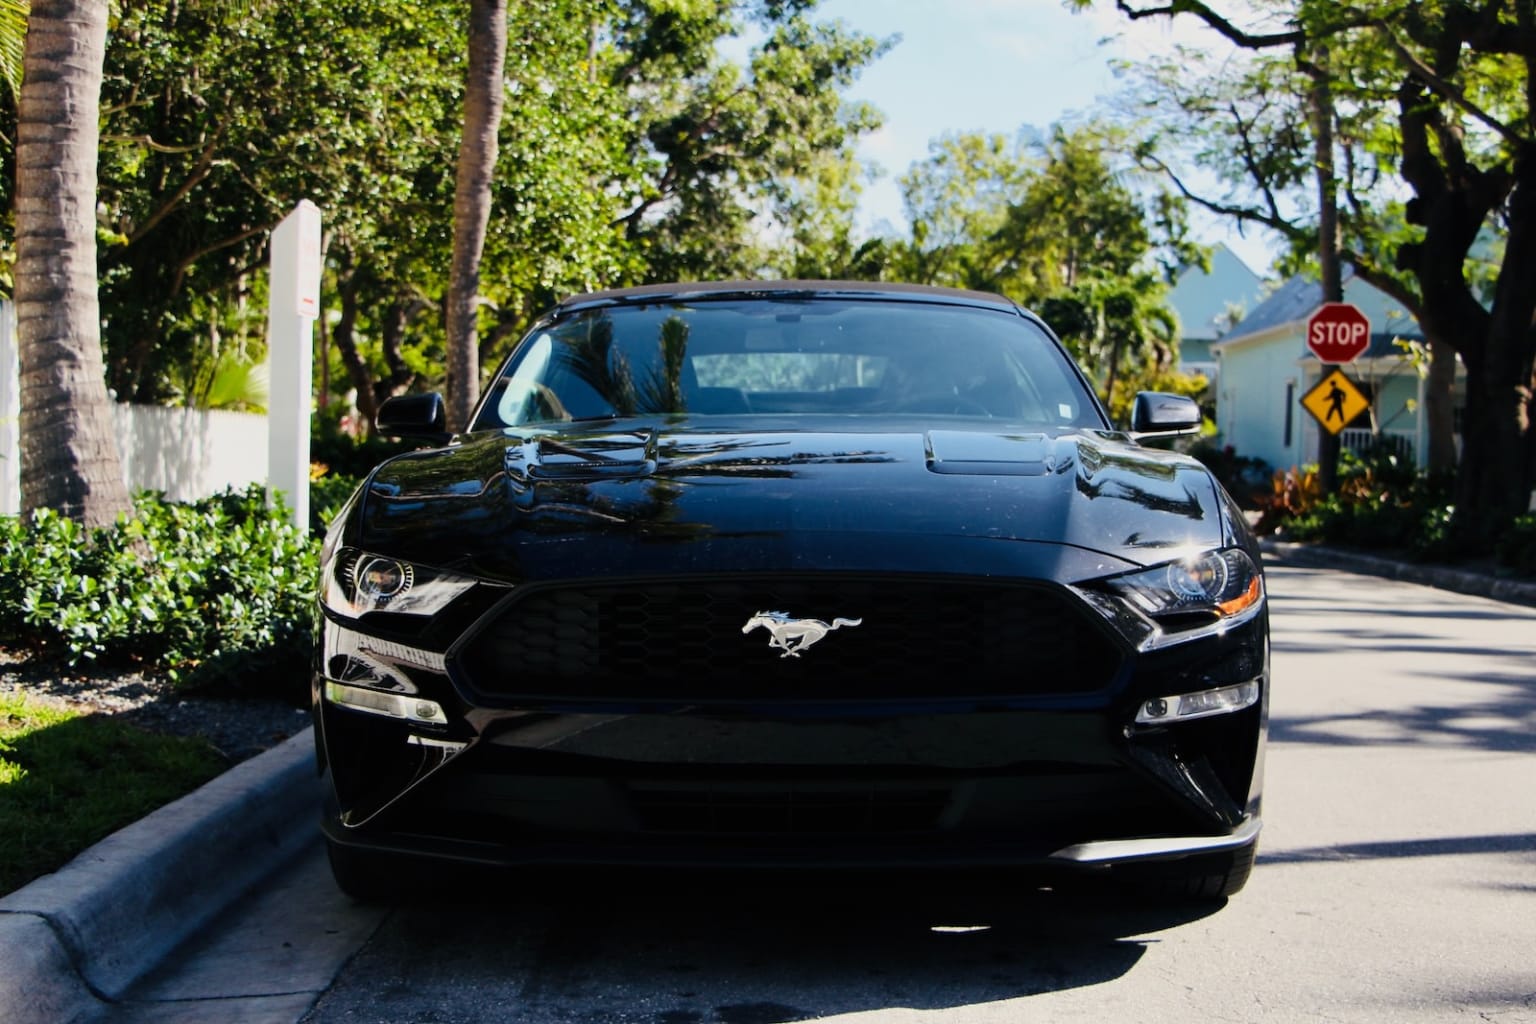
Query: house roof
x,y
1298,297
1202,298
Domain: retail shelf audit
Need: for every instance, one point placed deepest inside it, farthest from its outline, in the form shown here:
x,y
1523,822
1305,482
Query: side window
x,y
521,399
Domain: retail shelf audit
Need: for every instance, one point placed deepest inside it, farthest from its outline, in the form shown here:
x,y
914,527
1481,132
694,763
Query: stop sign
x,y
1338,332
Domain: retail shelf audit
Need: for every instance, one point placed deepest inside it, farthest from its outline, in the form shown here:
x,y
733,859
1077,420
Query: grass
x,y
69,779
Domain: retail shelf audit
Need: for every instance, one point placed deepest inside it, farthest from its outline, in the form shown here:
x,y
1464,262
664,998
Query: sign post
x,y
1335,401
293,303
1337,333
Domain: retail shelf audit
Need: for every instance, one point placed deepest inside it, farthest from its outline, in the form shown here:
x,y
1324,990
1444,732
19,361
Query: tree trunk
x,y
483,95
69,456
1327,237
1511,363
1439,407
346,345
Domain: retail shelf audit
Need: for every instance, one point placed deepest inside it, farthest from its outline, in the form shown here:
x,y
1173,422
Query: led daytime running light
x,y
391,705
1185,707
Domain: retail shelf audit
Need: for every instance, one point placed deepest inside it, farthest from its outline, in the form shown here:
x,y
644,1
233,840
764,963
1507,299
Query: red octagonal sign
x,y
1338,332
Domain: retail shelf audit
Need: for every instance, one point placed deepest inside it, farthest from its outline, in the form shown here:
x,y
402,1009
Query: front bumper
x,y
1063,781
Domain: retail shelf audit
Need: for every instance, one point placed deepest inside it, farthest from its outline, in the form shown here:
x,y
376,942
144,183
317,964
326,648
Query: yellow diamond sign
x,y
1335,402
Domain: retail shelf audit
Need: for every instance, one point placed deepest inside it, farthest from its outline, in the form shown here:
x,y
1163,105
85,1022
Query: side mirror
x,y
413,416
1159,413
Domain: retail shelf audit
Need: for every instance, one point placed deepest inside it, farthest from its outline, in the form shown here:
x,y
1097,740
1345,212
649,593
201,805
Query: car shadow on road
x,y
685,948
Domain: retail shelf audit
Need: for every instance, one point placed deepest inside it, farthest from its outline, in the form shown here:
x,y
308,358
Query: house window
x,y
1290,409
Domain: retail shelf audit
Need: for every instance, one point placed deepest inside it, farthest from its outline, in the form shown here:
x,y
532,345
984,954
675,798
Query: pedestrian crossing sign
x,y
1335,401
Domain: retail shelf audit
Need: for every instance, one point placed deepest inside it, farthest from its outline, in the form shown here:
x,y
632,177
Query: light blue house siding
x,y
1204,302
1266,368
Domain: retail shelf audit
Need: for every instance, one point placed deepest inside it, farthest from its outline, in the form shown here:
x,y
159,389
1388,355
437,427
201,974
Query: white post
x,y
10,413
293,303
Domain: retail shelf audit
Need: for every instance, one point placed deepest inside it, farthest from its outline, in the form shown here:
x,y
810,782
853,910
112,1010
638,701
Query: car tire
x,y
365,875
1199,879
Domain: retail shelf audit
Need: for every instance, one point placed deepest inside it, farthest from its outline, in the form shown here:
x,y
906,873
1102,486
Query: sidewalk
x,y
1443,577
75,941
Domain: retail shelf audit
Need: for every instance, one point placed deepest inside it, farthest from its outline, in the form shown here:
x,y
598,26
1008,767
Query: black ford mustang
x,y
802,573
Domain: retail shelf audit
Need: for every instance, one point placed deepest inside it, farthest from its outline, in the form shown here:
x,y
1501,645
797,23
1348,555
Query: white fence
x,y
187,453
1362,440
190,453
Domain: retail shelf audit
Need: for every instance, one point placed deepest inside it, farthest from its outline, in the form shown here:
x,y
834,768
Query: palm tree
x,y
483,95
13,33
69,456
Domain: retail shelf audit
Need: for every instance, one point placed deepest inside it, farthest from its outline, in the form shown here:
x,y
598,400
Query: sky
x,y
994,66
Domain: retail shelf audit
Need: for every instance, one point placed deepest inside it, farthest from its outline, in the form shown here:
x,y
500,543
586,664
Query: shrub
x,y
1516,549
1247,479
1382,501
214,591
327,493
345,455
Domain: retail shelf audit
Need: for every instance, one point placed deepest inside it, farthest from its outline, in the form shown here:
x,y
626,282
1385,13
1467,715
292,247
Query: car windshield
x,y
798,355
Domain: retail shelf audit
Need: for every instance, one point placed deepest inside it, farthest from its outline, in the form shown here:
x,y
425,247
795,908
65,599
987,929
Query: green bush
x,y
326,496
344,455
1382,501
1245,478
1517,548
213,591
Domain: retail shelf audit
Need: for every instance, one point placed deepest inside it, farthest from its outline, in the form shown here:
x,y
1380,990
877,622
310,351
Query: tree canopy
x,y
1424,111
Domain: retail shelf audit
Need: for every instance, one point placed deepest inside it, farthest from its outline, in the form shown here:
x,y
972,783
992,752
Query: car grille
x,y
680,639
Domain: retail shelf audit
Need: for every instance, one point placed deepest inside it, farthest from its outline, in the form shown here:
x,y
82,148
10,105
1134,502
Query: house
x,y
1206,302
1266,369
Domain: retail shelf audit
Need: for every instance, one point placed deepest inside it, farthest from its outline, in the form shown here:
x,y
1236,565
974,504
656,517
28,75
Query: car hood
x,y
681,498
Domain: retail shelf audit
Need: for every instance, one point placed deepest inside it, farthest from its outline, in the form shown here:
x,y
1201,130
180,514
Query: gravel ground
x,y
237,726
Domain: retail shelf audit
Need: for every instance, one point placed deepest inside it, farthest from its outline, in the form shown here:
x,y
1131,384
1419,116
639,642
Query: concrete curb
x,y
77,939
1439,576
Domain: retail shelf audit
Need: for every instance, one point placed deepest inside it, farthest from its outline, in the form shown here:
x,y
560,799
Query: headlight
x,y
1210,585
357,582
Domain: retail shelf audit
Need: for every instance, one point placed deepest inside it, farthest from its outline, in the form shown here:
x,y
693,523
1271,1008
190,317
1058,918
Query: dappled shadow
x,y
1359,641
1506,725
1485,653
689,947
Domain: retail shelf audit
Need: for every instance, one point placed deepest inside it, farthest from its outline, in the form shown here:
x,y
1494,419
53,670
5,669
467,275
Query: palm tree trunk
x,y
69,456
483,95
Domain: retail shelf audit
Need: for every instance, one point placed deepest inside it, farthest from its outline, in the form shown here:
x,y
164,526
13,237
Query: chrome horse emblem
x,y
793,635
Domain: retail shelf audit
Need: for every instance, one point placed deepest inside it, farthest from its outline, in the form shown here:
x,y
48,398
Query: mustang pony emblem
x,y
793,635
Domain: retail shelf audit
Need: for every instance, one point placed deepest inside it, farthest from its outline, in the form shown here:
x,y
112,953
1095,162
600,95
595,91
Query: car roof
x,y
767,288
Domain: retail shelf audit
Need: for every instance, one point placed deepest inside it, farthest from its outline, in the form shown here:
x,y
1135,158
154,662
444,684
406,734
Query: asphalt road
x,y
1396,883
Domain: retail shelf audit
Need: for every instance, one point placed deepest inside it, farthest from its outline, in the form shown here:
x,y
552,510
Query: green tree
x,y
956,202
197,166
1053,224
817,213
721,146
1440,93
13,34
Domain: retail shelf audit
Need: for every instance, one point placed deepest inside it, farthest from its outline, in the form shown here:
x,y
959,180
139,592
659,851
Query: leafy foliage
x,y
1250,481
214,591
1517,548
1382,502
1412,125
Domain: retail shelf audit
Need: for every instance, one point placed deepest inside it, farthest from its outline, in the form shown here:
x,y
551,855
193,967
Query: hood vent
x,y
976,454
